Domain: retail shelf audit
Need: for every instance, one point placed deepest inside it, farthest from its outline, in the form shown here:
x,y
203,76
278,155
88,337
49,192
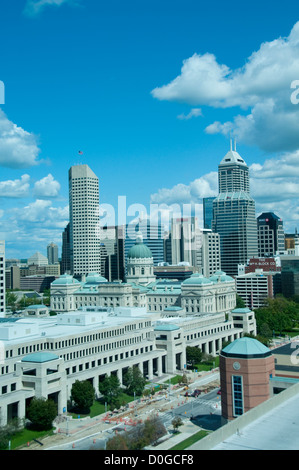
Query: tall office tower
x,y
167,247
186,242
52,253
65,266
211,260
208,212
85,249
270,234
113,243
2,278
233,173
153,238
234,214
194,245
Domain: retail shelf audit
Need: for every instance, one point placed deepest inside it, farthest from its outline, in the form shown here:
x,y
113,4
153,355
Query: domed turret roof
x,y
139,250
246,347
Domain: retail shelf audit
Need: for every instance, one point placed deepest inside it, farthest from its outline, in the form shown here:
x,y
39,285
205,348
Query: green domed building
x,y
140,263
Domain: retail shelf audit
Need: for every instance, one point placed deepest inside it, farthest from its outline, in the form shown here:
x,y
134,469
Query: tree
x,y
240,302
193,355
11,300
140,436
279,314
110,389
41,412
176,423
118,442
134,381
83,394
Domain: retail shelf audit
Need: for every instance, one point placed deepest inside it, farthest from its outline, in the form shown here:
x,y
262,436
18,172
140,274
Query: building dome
x,y
220,276
95,278
197,279
65,279
246,347
139,250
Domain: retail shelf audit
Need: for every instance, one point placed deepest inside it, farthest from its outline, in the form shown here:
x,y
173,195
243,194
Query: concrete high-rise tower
x,y
52,253
85,249
234,214
2,278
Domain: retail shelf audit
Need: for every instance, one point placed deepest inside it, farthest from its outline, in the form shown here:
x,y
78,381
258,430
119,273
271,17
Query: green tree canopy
x,y
41,412
110,389
134,381
278,314
193,355
83,394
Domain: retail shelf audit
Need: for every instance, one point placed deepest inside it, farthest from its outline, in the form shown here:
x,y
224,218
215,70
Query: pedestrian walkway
x,y
185,431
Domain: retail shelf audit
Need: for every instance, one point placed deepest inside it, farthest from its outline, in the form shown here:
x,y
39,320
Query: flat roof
x,y
276,430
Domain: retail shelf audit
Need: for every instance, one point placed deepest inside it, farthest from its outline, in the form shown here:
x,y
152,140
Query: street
x,y
205,410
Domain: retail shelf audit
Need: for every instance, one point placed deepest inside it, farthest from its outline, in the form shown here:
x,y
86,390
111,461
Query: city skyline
x,y
121,88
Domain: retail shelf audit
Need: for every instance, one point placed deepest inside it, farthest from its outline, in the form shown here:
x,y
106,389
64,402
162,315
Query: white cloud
x,y
204,186
46,187
195,112
15,188
30,228
18,148
34,7
262,85
43,213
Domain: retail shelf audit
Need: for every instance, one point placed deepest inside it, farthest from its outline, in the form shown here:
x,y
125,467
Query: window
x,y
237,386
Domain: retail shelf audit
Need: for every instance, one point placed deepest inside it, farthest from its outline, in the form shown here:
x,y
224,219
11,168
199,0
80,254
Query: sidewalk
x,y
185,431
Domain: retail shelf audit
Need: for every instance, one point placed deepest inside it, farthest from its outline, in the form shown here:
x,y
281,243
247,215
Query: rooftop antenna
x,y
230,139
235,145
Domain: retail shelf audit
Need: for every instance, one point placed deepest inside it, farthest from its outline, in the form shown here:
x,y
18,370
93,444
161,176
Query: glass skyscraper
x,y
234,214
208,212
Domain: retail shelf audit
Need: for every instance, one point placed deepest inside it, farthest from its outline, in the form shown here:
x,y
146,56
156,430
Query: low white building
x,y
43,357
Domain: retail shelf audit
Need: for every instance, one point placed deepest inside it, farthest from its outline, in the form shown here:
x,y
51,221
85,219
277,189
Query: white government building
x,y
104,328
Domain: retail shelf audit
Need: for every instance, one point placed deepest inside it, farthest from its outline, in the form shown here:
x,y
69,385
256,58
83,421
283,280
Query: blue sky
x,y
148,91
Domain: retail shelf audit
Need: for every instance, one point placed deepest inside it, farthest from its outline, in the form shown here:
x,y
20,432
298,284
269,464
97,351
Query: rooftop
x,y
246,348
40,357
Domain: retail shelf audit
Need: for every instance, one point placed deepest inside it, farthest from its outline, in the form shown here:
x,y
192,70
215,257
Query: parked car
x,y
196,393
219,391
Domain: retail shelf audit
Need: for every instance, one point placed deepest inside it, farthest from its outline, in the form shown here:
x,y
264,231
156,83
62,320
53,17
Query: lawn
x,y
190,440
99,408
27,435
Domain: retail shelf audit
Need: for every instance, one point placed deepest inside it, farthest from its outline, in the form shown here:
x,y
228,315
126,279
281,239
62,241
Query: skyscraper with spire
x,y
234,213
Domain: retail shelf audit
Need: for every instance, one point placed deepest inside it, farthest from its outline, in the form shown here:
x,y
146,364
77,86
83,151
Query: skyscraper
x,y
85,250
52,253
234,214
65,251
207,211
2,278
113,240
194,245
270,234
